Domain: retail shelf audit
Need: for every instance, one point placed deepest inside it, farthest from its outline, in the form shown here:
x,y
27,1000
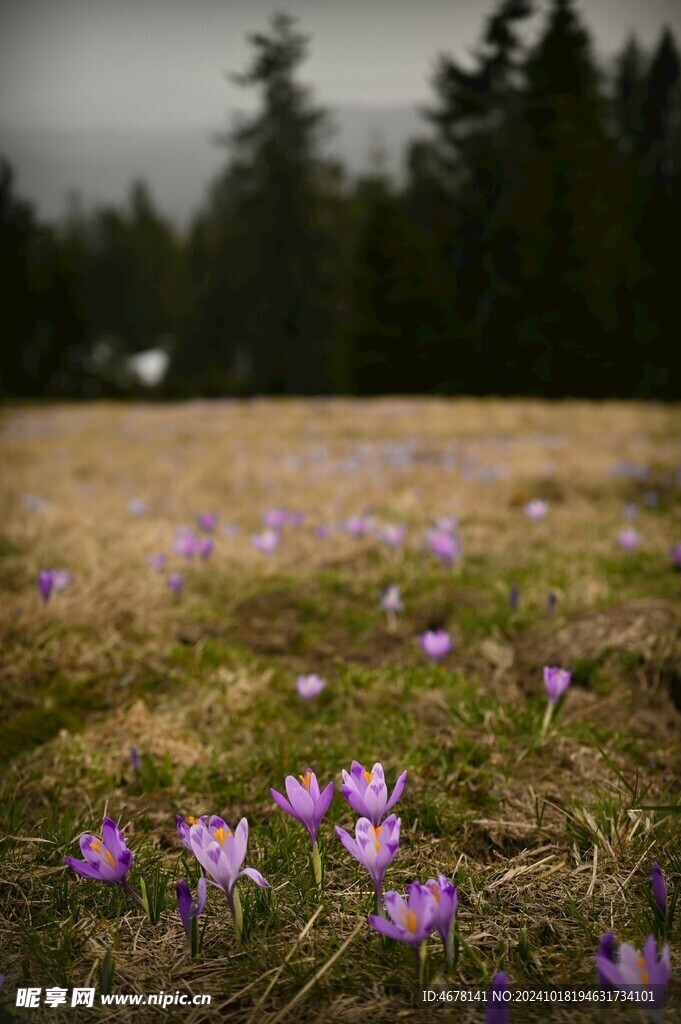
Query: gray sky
x,y
143,63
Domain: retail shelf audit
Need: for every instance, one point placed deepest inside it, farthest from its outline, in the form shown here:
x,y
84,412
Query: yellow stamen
x,y
644,977
191,820
220,834
109,857
378,846
305,779
368,776
409,920
377,829
96,845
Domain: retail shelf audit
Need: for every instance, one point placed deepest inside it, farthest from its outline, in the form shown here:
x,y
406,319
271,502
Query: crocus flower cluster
x,y
221,852
428,908
376,840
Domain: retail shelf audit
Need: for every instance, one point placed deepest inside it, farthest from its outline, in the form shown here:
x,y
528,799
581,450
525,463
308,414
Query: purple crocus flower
x,y
205,547
295,519
107,859
175,581
357,526
391,600
628,539
536,510
675,555
606,949
367,793
659,888
275,518
374,846
393,534
631,971
221,852
413,920
498,1003
135,758
207,521
444,545
45,584
158,562
446,901
556,681
514,597
322,532
61,579
185,543
551,602
188,909
305,802
184,828
310,686
436,643
447,524
265,542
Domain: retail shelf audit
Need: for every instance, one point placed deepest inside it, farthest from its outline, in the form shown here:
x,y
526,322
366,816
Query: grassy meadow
x,y
550,839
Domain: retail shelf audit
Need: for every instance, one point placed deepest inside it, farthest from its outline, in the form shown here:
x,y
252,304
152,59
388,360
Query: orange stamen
x,y
435,889
368,776
220,834
409,920
305,779
191,820
96,845
109,857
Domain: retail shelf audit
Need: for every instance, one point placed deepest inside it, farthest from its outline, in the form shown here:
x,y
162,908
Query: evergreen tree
x,y
260,252
17,230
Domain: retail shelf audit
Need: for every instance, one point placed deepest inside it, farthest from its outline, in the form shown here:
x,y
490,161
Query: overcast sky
x,y
130,63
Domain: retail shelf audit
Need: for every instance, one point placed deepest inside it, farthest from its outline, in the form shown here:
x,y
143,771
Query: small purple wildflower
x,y
205,548
374,846
436,643
275,518
367,793
606,949
185,543
536,510
310,686
357,526
393,534
675,555
444,545
628,539
551,602
107,859
498,1000
189,910
305,802
631,971
61,579
175,581
412,921
391,601
265,542
45,584
447,524
514,597
135,758
446,901
207,521
158,562
556,681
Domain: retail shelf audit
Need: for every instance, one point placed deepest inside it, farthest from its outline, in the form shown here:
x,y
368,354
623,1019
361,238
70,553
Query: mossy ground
x,y
550,838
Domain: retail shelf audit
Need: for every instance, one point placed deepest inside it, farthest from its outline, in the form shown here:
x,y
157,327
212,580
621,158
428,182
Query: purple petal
x,y
81,868
386,927
255,876
282,802
113,838
397,792
201,894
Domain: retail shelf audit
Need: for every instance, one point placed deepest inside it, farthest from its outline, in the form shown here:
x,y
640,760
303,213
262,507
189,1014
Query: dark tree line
x,y
529,249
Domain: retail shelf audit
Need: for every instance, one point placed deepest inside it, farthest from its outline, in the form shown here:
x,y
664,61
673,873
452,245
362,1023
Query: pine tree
x,y
260,252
